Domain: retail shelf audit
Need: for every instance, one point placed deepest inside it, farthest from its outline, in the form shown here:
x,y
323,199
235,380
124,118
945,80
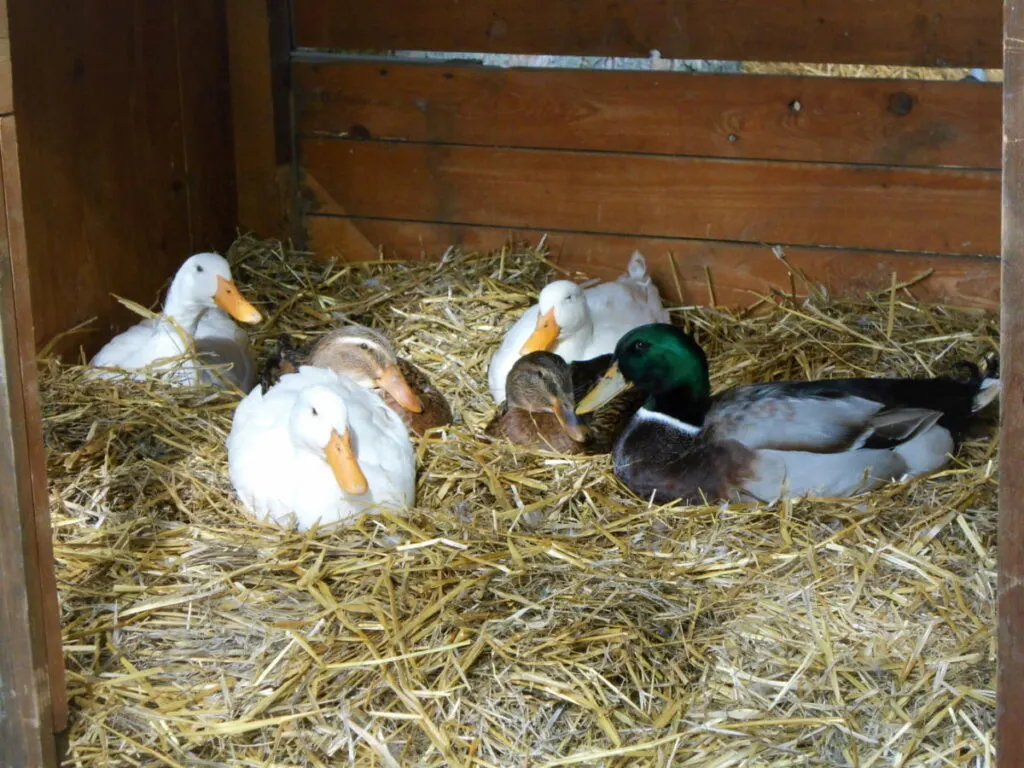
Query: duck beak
x,y
344,464
393,382
544,335
230,299
608,387
569,420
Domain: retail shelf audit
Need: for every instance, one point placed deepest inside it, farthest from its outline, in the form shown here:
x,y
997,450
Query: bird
x,y
196,322
579,323
766,441
539,410
366,356
318,448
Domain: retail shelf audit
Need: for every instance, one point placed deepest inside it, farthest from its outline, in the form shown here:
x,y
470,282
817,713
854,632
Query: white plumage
x,y
196,302
291,451
577,323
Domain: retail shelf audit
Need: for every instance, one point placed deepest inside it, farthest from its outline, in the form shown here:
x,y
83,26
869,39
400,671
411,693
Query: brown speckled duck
x,y
539,412
367,357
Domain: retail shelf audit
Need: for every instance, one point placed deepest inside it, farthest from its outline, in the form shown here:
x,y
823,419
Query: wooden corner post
x,y
259,50
1010,685
32,697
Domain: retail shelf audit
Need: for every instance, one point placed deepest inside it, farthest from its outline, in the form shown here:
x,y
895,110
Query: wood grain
x,y
258,48
6,95
26,724
912,32
943,211
14,238
119,151
736,116
1010,606
739,272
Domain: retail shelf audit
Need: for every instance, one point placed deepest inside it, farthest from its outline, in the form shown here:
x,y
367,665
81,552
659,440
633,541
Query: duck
x,y
366,356
766,441
539,412
578,323
318,448
203,301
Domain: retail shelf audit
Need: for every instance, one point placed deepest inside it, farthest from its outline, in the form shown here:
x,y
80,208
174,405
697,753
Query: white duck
x,y
319,447
577,323
202,300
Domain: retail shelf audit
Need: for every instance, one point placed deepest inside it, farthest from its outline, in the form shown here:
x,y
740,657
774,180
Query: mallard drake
x,y
366,356
539,412
577,323
761,441
317,447
201,301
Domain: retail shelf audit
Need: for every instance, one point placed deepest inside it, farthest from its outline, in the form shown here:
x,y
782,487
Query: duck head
x,y
541,382
319,424
562,312
204,281
366,357
657,359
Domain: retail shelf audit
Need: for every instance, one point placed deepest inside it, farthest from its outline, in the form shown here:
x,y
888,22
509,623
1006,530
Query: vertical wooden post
x,y
1010,686
27,591
259,49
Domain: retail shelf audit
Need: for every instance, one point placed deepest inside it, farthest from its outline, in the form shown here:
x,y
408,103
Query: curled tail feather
x,y
638,268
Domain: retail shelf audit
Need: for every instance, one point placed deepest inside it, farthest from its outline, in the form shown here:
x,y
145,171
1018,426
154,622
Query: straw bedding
x,y
530,611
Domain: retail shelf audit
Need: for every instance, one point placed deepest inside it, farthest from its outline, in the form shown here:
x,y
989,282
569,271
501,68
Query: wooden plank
x,y
26,720
736,116
1010,606
14,225
105,173
738,270
912,32
258,47
6,95
205,86
942,211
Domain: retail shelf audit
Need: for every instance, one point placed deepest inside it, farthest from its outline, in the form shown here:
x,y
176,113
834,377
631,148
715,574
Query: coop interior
x,y
817,195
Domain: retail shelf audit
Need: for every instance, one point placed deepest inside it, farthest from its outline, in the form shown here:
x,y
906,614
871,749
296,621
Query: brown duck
x,y
541,391
367,357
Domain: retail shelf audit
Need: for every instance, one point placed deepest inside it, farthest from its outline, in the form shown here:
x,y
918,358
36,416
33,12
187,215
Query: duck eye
x,y
314,412
199,267
640,345
364,346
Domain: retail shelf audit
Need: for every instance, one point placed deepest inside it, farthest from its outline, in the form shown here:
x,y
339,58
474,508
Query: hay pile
x,y
530,612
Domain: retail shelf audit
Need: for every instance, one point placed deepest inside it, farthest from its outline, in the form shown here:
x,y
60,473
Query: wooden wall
x,y
126,151
856,178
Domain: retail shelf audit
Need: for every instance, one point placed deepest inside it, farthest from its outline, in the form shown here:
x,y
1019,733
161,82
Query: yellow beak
x,y
608,387
573,427
544,335
344,464
230,299
393,382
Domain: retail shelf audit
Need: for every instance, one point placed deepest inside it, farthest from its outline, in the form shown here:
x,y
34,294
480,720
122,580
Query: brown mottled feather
x,y
436,411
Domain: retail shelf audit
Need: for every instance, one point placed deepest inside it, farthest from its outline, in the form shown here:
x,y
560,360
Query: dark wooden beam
x,y
26,717
1010,685
259,45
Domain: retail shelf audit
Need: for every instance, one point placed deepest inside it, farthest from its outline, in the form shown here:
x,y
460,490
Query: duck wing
x,y
840,414
436,410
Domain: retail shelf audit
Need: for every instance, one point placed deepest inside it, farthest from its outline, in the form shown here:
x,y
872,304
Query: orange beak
x,y
393,382
544,335
570,422
344,464
230,299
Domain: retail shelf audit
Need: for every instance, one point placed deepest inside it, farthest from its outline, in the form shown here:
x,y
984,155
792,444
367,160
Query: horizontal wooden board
x,y
945,211
913,32
739,272
738,116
